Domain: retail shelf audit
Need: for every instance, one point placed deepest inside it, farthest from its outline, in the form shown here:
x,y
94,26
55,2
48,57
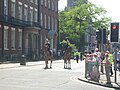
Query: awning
x,y
51,33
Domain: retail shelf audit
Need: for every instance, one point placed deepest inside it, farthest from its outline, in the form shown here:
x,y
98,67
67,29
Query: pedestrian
x,y
102,59
95,58
94,73
98,56
85,54
81,56
74,55
111,62
77,56
107,68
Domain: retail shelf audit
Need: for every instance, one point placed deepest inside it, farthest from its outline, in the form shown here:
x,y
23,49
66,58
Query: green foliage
x,y
74,21
71,45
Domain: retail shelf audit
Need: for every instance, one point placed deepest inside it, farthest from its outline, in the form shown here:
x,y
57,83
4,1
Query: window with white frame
x,y
6,7
35,15
48,22
49,4
13,8
31,14
45,20
41,18
5,37
25,13
20,11
13,38
41,2
20,38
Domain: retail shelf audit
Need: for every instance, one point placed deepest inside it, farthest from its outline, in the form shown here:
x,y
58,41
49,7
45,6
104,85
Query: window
x,y
41,2
20,11
13,8
5,37
52,4
6,7
25,13
31,14
41,19
13,38
49,4
45,21
48,22
56,6
20,38
35,15
45,3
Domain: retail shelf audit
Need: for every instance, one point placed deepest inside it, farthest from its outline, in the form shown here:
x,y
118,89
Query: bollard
x,y
23,60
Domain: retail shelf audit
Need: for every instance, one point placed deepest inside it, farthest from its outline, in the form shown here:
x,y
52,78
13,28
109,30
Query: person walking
x,y
77,56
102,59
98,56
111,62
107,68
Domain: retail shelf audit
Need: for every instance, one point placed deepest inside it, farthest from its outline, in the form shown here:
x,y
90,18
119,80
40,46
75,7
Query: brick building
x,y
24,26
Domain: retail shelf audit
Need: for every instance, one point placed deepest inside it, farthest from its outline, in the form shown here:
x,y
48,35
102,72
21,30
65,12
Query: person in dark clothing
x,y
67,45
47,43
77,56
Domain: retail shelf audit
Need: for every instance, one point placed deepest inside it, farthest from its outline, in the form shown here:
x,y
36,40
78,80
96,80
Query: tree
x,y
73,22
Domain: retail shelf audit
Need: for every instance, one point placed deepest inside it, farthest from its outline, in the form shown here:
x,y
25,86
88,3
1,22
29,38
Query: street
x,y
35,77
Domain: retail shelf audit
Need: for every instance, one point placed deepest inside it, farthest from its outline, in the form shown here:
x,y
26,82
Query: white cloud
x,y
112,7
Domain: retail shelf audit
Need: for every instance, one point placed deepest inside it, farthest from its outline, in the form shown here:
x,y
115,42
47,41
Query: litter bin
x,y
23,60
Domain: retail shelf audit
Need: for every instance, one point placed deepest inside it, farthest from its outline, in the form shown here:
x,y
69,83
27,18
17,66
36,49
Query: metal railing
x,y
18,22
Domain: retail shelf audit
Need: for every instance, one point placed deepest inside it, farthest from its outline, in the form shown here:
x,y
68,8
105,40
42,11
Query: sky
x,y
112,7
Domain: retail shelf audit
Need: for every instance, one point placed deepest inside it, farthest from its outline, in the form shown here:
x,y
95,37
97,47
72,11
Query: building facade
x,y
71,3
24,26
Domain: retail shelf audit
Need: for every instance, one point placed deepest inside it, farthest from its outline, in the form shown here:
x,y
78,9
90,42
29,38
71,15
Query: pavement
x,y
102,81
8,64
